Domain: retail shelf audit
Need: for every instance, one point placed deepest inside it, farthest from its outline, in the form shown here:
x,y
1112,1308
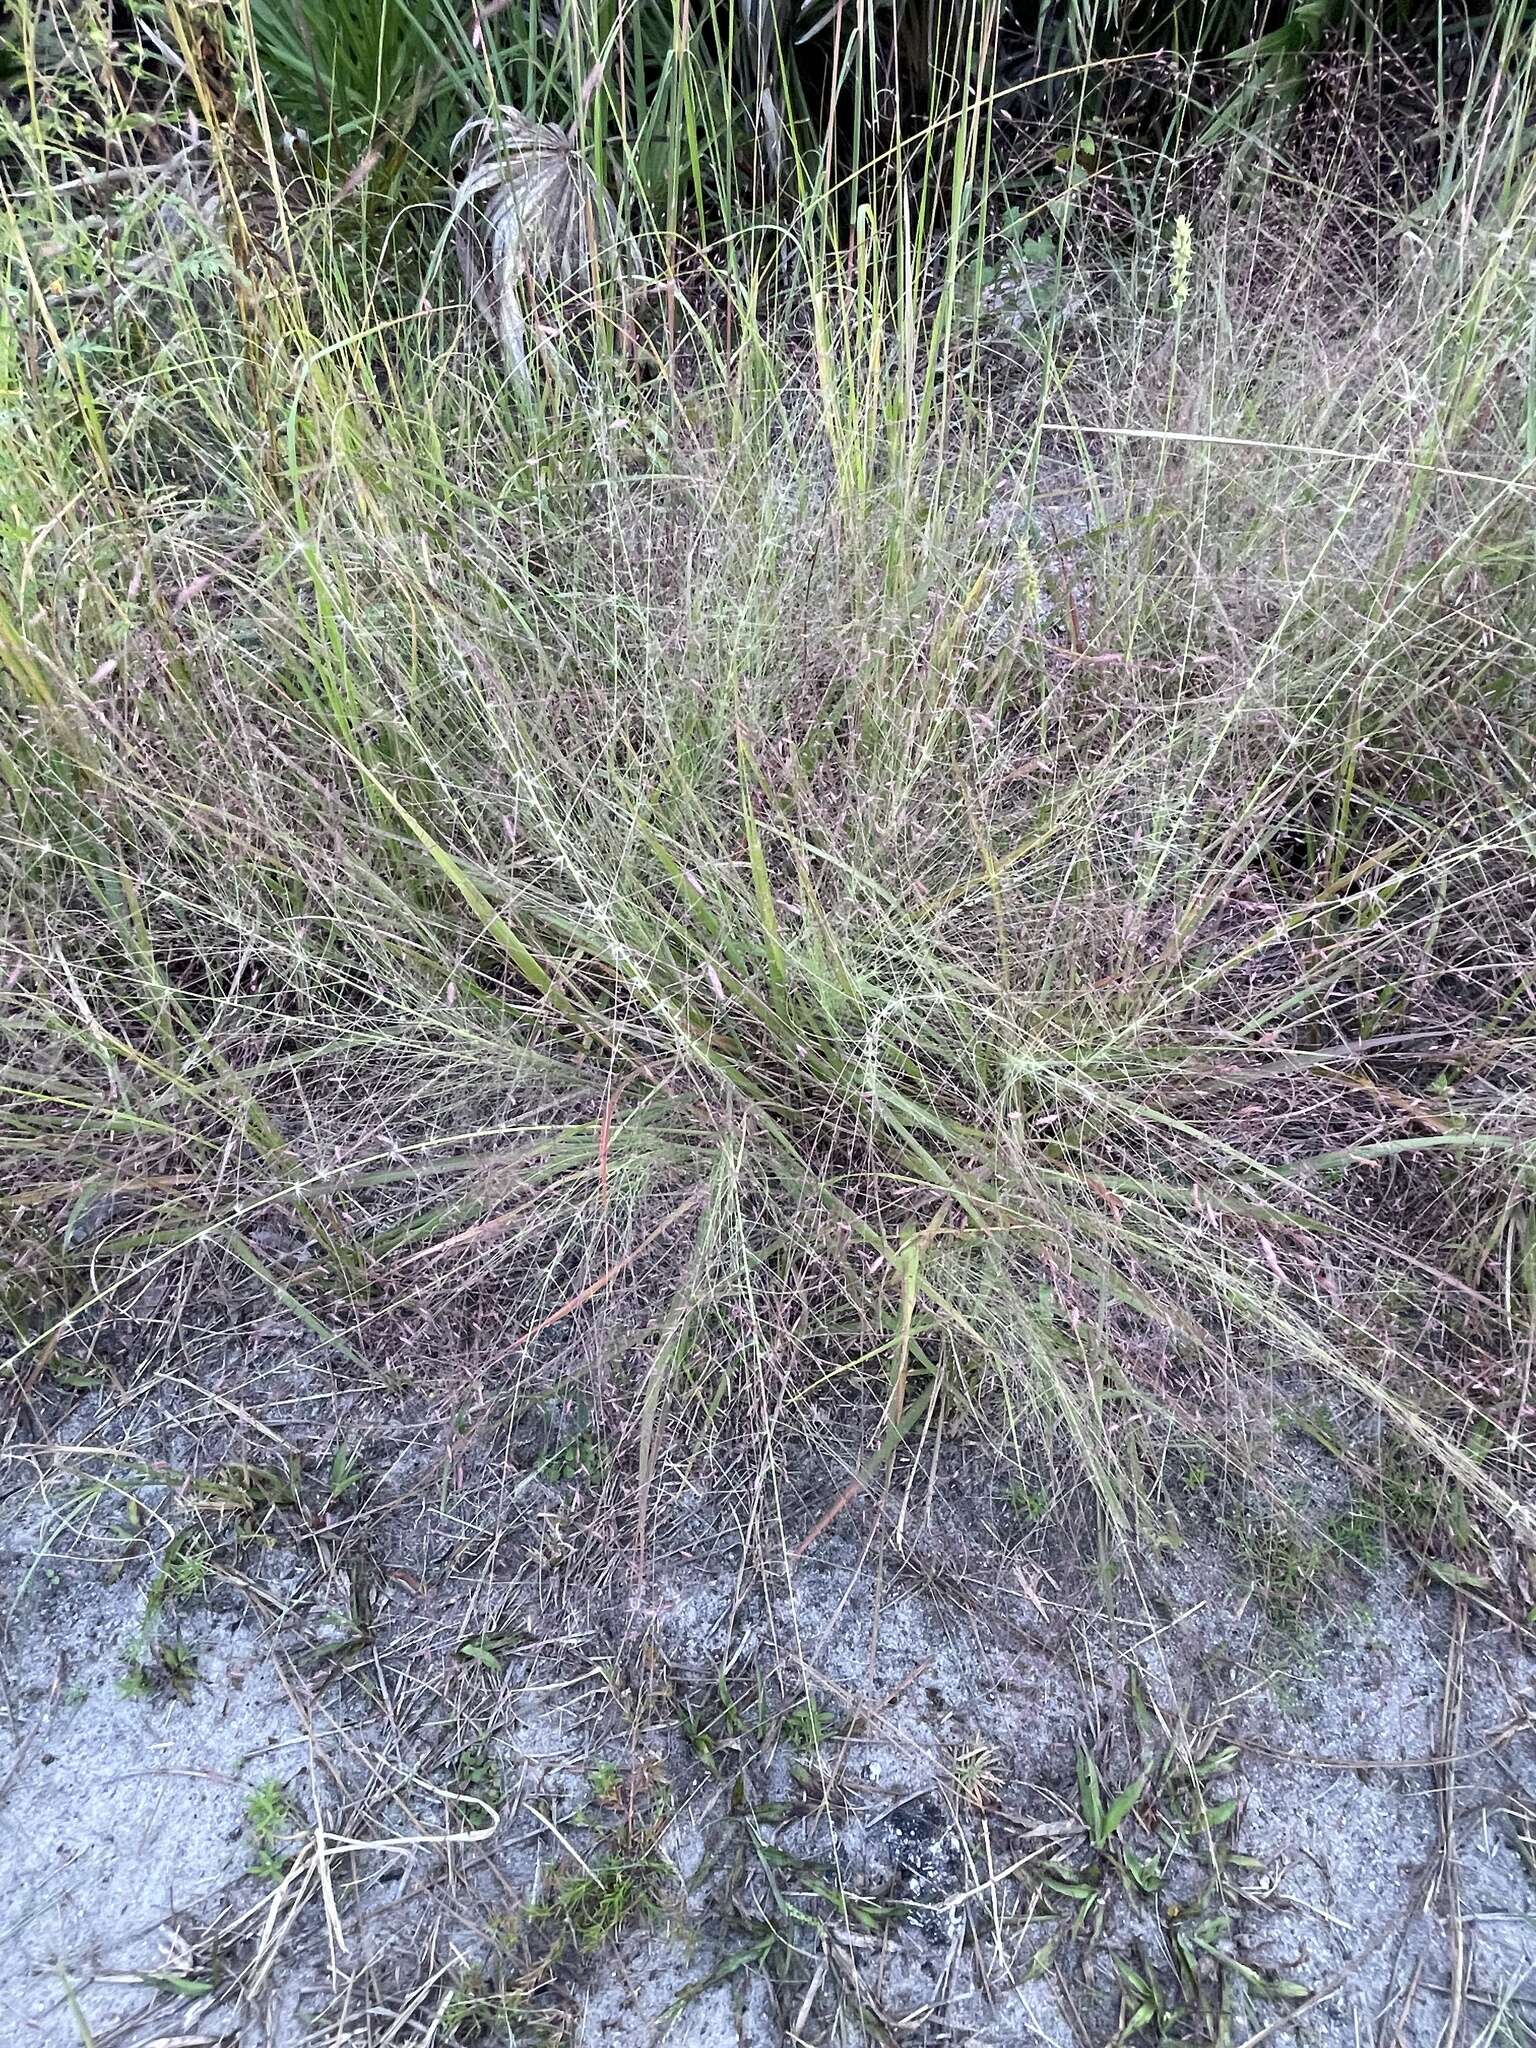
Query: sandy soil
x,y
527,1792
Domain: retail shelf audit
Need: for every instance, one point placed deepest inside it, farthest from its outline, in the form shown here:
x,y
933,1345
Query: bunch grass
x,y
852,842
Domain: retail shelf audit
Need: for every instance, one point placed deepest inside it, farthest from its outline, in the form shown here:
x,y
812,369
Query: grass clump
x,y
984,866
624,1888
269,1825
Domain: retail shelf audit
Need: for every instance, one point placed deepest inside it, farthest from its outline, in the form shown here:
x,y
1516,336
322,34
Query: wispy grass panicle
x,y
886,836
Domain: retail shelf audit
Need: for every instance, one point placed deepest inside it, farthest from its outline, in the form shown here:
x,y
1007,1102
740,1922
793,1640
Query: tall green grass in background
x,y
935,804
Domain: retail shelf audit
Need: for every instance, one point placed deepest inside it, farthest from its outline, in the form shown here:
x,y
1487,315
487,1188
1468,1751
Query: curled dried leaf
x,y
532,227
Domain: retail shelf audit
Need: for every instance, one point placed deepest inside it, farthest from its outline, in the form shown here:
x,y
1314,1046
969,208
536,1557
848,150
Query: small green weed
x,y
1422,1501
721,1723
481,2009
1031,1501
621,1889
1289,1567
165,1666
606,1782
477,1770
345,1472
269,1820
252,1496
578,1457
183,1571
978,1774
490,1649
1357,1531
807,1727
1103,1813
134,1681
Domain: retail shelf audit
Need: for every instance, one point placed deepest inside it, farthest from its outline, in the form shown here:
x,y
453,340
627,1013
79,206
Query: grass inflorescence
x,y
845,824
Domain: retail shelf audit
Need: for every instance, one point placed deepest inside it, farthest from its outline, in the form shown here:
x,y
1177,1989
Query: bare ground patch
x,y
339,1717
